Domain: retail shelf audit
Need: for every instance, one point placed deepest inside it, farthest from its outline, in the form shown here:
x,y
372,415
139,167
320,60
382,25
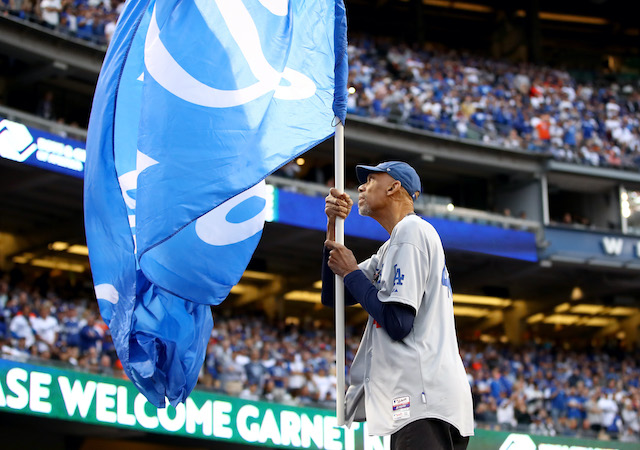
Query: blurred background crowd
x,y
90,20
592,121
543,387
578,117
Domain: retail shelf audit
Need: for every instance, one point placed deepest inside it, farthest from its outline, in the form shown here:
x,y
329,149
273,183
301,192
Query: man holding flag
x,y
198,101
407,378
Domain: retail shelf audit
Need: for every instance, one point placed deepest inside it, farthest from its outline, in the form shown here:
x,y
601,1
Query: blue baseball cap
x,y
398,170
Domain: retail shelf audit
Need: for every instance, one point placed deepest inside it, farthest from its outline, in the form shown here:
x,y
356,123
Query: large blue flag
x,y
197,102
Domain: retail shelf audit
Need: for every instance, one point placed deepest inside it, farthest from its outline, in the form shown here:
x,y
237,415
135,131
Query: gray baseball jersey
x,y
393,383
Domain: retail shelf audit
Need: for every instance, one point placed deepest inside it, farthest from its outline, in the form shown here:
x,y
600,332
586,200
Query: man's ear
x,y
394,187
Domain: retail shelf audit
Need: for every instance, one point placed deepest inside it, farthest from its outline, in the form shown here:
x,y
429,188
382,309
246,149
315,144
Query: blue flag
x,y
197,102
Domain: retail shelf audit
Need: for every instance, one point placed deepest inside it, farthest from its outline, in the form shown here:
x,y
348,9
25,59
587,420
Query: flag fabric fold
x,y
196,103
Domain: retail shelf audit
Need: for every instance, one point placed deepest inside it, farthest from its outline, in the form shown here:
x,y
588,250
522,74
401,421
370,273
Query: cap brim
x,y
363,171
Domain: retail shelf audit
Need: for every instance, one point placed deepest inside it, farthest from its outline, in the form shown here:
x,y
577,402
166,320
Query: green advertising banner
x,y
92,399
500,440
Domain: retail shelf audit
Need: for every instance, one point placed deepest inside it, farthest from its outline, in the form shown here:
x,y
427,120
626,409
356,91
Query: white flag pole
x,y
339,282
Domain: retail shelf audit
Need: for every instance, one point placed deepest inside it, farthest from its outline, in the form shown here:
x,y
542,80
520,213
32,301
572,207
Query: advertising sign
x,y
593,246
39,148
49,392
91,399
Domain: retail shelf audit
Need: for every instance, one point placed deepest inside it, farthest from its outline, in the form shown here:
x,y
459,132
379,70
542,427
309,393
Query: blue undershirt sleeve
x,y
396,318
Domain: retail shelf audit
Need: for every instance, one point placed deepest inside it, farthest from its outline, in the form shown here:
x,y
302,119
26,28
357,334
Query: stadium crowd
x,y
538,388
91,20
519,106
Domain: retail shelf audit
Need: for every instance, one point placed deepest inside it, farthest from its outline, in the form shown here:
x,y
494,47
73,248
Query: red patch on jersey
x,y
375,322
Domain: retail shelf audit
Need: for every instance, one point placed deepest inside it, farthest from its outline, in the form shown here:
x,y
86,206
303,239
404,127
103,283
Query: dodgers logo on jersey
x,y
398,278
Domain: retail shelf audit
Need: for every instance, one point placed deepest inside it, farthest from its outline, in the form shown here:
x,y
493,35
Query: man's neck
x,y
390,217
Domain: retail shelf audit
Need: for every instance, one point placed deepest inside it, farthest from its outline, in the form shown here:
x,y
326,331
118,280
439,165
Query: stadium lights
x,y
562,308
543,15
463,6
56,264
253,275
303,296
78,249
21,259
469,311
556,17
576,293
59,246
625,205
562,319
622,311
587,309
481,300
239,289
317,284
568,319
597,322
535,318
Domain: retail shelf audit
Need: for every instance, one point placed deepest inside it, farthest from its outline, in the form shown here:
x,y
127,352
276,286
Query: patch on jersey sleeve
x,y
446,281
401,407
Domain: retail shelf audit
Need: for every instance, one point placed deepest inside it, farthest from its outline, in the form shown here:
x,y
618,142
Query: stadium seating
x,y
542,388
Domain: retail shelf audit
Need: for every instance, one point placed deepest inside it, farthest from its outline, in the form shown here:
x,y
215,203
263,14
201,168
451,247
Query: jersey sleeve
x,y
406,268
368,267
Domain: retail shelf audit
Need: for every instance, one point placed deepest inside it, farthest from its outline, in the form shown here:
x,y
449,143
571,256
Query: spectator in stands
x,y
85,27
50,10
250,392
69,19
630,417
110,26
232,375
105,365
499,384
17,351
325,384
256,372
4,293
91,334
20,326
543,424
522,415
45,326
46,108
575,406
279,374
505,412
70,326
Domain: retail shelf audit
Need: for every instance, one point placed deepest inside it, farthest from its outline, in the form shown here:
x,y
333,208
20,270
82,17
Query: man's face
x,y
373,194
